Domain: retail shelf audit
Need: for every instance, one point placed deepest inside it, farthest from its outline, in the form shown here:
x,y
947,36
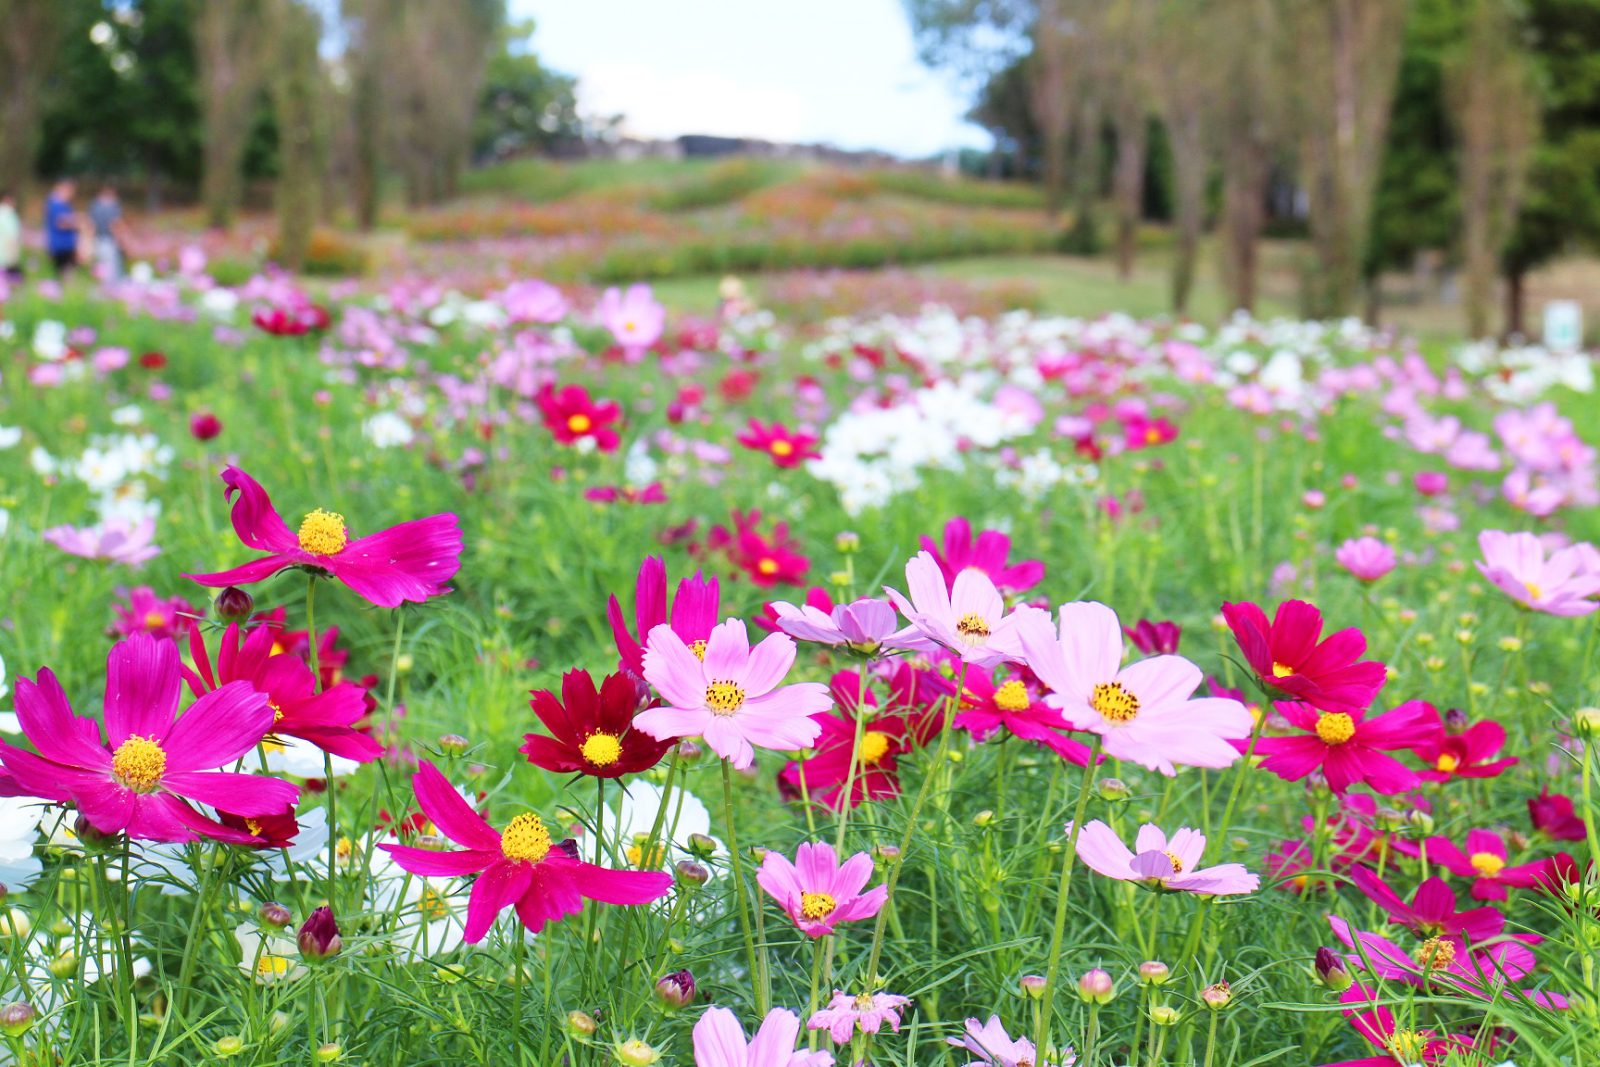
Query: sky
x,y
838,71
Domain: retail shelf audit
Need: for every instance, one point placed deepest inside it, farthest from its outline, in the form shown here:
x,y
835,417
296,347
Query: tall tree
x,y
1127,35
296,88
30,35
229,41
1048,95
365,56
1184,88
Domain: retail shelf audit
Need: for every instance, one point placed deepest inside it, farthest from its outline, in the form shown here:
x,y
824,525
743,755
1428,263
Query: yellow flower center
x,y
579,423
602,750
270,967
525,839
1115,704
1152,436
817,906
1487,864
1280,671
322,533
768,566
1535,592
1435,954
699,650
154,620
1335,728
1177,864
344,850
277,713
1013,696
863,1002
431,904
973,629
139,763
782,448
254,826
724,698
874,746
1408,1045
1447,763
637,857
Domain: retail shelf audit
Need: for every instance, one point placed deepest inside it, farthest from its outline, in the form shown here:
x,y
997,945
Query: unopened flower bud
x,y
690,751
635,1053
403,663
1154,972
452,744
228,1046
14,922
1096,987
1113,789
65,965
233,605
1511,644
319,935
1331,971
983,818
1586,722
17,1018
1419,823
702,846
1032,986
1216,997
329,1052
887,855
675,990
581,1024
275,915
1164,1015
691,873
278,1022
1389,820
1455,721
847,541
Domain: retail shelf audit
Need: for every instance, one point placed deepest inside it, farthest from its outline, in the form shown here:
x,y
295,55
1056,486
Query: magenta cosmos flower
x,y
1142,712
1288,654
1468,754
1166,863
1516,564
1432,910
987,708
730,694
719,1041
693,612
1484,860
866,626
1366,558
989,555
139,775
968,617
1347,746
408,562
848,1012
1398,1046
518,867
1445,960
818,891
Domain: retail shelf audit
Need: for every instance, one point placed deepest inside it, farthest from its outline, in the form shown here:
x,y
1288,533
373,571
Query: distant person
x,y
10,238
109,232
61,228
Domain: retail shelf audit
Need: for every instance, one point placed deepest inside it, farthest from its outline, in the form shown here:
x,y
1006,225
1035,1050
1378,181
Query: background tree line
x,y
1381,128
331,100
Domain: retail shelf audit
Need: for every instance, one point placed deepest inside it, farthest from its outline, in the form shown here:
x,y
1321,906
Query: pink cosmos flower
x,y
719,1041
1143,712
408,562
848,1012
818,891
1516,564
988,554
731,695
572,417
866,626
1290,655
634,318
138,775
116,540
146,613
968,617
1366,558
993,1047
1484,861
1346,746
1167,863
518,867
1432,911
533,300
693,609
1469,754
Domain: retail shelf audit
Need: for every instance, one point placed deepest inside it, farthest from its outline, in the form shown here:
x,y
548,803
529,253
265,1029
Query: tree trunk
x,y
1187,137
1516,310
1051,109
295,102
229,46
1132,130
30,31
1244,198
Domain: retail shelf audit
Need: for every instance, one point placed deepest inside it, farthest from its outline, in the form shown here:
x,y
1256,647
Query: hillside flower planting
x,y
397,673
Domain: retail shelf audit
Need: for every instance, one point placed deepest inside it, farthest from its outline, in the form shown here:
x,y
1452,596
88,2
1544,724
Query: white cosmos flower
x,y
268,956
686,815
19,836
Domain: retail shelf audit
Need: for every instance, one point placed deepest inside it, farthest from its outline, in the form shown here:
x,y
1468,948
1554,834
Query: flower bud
x,y
233,604
1096,987
1154,972
278,1022
1331,971
228,1046
64,965
404,662
983,818
691,873
17,1018
1455,721
675,990
1418,823
1586,722
887,855
690,751
846,542
1216,997
329,1052
702,846
1113,789
581,1024
452,744
319,935
1164,1015
1032,986
635,1053
1389,820
205,426
275,915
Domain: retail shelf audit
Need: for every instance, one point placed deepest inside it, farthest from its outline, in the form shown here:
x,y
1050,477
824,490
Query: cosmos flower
x,y
571,417
731,694
866,626
138,776
1438,959
1432,910
847,1013
1140,432
1143,712
1376,1024
161,617
969,617
993,1047
1347,746
518,867
988,554
784,447
1551,814
719,1041
116,540
1515,563
1366,558
766,560
592,732
408,562
1154,638
817,891
1468,754
1167,863
1289,655
693,609
1020,711
635,318
1484,861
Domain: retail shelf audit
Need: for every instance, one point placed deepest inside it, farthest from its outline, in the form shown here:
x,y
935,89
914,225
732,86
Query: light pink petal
x,y
774,1042
925,583
1092,639
673,670
728,740
666,723
974,594
719,1040
727,651
1150,838
768,665
1160,681
1102,850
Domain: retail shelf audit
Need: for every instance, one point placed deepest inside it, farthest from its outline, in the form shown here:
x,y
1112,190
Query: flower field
x,y
393,675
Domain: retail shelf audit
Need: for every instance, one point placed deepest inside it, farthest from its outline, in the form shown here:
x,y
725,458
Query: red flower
x,y
592,732
291,321
205,426
768,562
1469,754
571,416
1552,815
1156,638
786,449
153,360
1286,656
1345,746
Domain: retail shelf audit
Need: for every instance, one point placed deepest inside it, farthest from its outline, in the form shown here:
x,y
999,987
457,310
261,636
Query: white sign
x,y
1563,326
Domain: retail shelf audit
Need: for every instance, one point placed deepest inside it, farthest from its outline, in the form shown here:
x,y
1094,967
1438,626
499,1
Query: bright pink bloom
x,y
1554,816
1022,712
1405,1047
1484,861
654,493
866,626
1432,911
733,696
987,554
1167,863
1347,746
116,540
1516,564
205,426
287,321
1140,432
326,719
785,448
719,1041
408,562
694,611
1431,483
1443,960
592,732
1287,656
1366,558
1154,638
571,417
146,613
518,867
818,891
1469,754
634,318
969,617
1143,712
137,775
846,1013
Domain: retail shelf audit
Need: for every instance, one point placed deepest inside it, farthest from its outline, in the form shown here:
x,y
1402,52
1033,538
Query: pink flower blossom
x,y
1347,747
634,318
1366,558
968,617
719,1041
693,610
116,540
1516,564
848,1012
818,891
146,613
993,1047
866,626
988,554
1167,863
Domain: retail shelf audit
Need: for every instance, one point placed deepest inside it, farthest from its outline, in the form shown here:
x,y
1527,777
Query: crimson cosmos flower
x,y
1346,746
571,416
890,732
592,732
518,867
1289,655
1469,754
786,448
411,561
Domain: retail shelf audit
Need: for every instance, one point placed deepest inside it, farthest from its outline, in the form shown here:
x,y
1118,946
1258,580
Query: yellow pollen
x,y
139,763
525,839
1487,864
1013,696
1280,671
1408,1045
1335,728
277,713
782,448
1115,704
817,906
1177,864
1535,592
1447,763
269,967
874,746
322,533
253,826
1152,436
602,750
344,849
973,629
432,905
580,423
154,620
863,1001
1435,954
637,858
699,650
768,566
724,698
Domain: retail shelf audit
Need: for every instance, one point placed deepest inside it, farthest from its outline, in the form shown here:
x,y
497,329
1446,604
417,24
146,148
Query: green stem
x,y
736,861
516,986
1058,931
817,948
197,933
846,797
1211,1039
327,758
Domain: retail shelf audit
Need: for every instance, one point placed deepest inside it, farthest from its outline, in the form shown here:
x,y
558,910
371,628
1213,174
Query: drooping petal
x,y
450,813
409,562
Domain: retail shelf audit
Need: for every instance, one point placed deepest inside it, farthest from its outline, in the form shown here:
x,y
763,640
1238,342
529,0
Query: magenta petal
x,y
248,795
411,561
218,729
244,574
255,520
496,889
58,734
432,864
623,887
142,688
450,813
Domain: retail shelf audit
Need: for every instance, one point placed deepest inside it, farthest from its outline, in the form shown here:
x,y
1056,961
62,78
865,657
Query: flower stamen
x,y
322,533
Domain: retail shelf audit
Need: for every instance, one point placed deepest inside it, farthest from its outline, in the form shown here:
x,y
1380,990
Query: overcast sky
x,y
839,71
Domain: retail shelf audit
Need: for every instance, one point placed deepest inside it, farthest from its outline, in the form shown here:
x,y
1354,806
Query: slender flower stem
x,y
1091,1034
327,758
1059,929
736,861
1211,1039
197,933
516,986
817,948
846,797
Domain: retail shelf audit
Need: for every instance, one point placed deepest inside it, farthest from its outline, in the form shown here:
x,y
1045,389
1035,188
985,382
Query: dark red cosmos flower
x,y
153,360
1469,754
1154,638
987,554
205,426
271,831
987,708
592,732
571,416
1288,654
1553,816
785,448
1432,910
1346,746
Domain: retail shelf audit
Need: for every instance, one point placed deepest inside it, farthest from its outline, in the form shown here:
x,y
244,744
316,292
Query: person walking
x,y
110,232
61,228
10,238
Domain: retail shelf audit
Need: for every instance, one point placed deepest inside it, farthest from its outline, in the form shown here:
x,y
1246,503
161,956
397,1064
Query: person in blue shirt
x,y
61,227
